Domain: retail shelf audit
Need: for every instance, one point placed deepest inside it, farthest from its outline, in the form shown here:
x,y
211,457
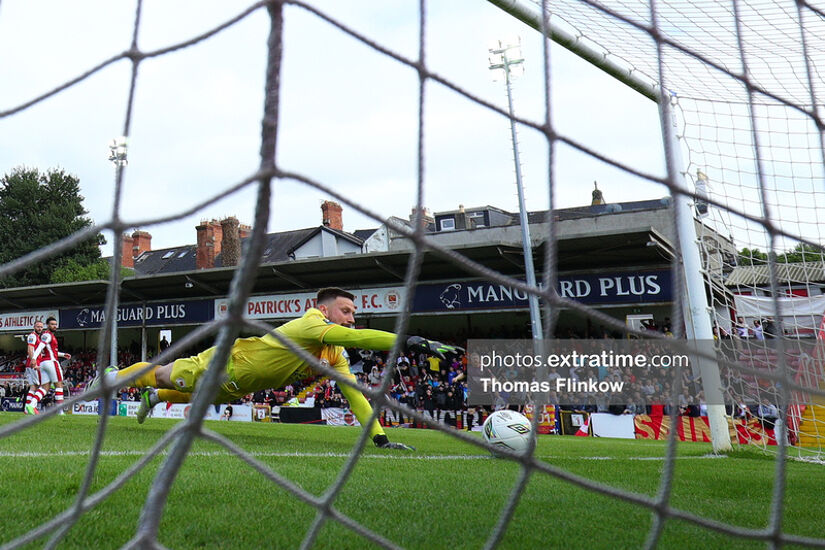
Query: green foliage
x,y
72,272
748,256
39,209
801,253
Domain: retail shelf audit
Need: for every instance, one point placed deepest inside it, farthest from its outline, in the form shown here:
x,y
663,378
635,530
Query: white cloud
x,y
348,114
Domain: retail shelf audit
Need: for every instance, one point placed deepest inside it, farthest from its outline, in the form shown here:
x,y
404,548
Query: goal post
x,y
695,307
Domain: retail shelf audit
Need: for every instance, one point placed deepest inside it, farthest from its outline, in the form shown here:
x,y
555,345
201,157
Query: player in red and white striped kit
x,y
33,366
50,371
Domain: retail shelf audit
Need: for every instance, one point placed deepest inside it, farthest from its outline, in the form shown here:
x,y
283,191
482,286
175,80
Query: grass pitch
x,y
447,494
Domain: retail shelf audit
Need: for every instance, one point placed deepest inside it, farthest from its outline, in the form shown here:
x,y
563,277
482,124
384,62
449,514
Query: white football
x,y
507,429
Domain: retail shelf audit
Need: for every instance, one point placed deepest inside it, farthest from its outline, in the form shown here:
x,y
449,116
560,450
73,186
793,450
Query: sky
x,y
348,113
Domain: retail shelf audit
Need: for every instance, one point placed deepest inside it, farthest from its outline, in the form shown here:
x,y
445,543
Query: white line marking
x,y
58,454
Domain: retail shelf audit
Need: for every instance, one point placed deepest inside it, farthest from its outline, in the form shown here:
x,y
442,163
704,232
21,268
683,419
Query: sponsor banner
x,y
24,321
188,312
293,305
698,429
240,413
547,418
12,405
606,288
610,425
92,407
128,408
180,411
336,416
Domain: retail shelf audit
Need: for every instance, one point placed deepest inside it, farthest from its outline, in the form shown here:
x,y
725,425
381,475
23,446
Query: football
x,y
507,429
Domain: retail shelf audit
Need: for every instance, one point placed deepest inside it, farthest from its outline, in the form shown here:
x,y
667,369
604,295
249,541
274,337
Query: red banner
x,y
689,428
547,419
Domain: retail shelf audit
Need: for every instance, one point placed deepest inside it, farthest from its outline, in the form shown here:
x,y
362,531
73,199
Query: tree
x,y
802,253
799,254
751,256
37,210
98,271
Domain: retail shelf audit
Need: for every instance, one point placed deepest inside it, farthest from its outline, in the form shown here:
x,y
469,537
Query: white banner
x,y
24,321
336,416
240,413
85,407
802,312
610,425
292,306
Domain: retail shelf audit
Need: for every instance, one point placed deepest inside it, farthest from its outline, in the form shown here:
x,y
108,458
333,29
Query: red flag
x,y
584,429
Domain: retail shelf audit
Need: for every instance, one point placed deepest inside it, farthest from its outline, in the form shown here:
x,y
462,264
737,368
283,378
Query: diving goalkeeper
x,y
259,363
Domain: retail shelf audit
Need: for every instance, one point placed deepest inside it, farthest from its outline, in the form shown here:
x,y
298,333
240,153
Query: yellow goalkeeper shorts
x,y
186,373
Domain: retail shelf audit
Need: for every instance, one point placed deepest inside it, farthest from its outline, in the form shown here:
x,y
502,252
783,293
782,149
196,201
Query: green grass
x,y
445,495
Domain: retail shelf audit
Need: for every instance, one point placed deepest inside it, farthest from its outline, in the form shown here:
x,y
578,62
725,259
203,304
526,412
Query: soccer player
x,y
49,369
33,366
263,362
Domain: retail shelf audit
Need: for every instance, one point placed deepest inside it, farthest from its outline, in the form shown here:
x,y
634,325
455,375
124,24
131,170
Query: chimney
x,y
331,215
596,197
426,216
133,246
244,231
231,241
217,235
141,242
209,243
126,258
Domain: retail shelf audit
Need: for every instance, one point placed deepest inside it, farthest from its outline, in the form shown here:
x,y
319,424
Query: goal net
x,y
742,82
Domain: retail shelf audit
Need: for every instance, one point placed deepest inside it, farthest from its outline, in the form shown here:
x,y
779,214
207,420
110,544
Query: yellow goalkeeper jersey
x,y
265,362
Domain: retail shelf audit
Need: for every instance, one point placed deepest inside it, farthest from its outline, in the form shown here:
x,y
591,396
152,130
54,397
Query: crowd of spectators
x,y
77,373
440,387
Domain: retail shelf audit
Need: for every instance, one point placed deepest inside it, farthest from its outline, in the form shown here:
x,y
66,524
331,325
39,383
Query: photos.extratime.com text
x,y
604,358
601,373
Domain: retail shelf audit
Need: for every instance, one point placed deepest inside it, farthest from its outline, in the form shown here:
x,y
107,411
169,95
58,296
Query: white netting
x,y
745,78
780,42
701,59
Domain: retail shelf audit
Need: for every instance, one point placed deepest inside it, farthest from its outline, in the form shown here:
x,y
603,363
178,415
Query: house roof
x,y
343,234
794,273
277,248
474,209
575,212
364,234
166,260
279,245
602,209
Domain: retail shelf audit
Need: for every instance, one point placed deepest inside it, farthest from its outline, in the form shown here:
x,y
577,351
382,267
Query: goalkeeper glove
x,y
382,442
418,344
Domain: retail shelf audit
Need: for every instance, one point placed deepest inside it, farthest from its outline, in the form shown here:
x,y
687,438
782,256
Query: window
x,y
477,219
182,254
168,255
447,224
